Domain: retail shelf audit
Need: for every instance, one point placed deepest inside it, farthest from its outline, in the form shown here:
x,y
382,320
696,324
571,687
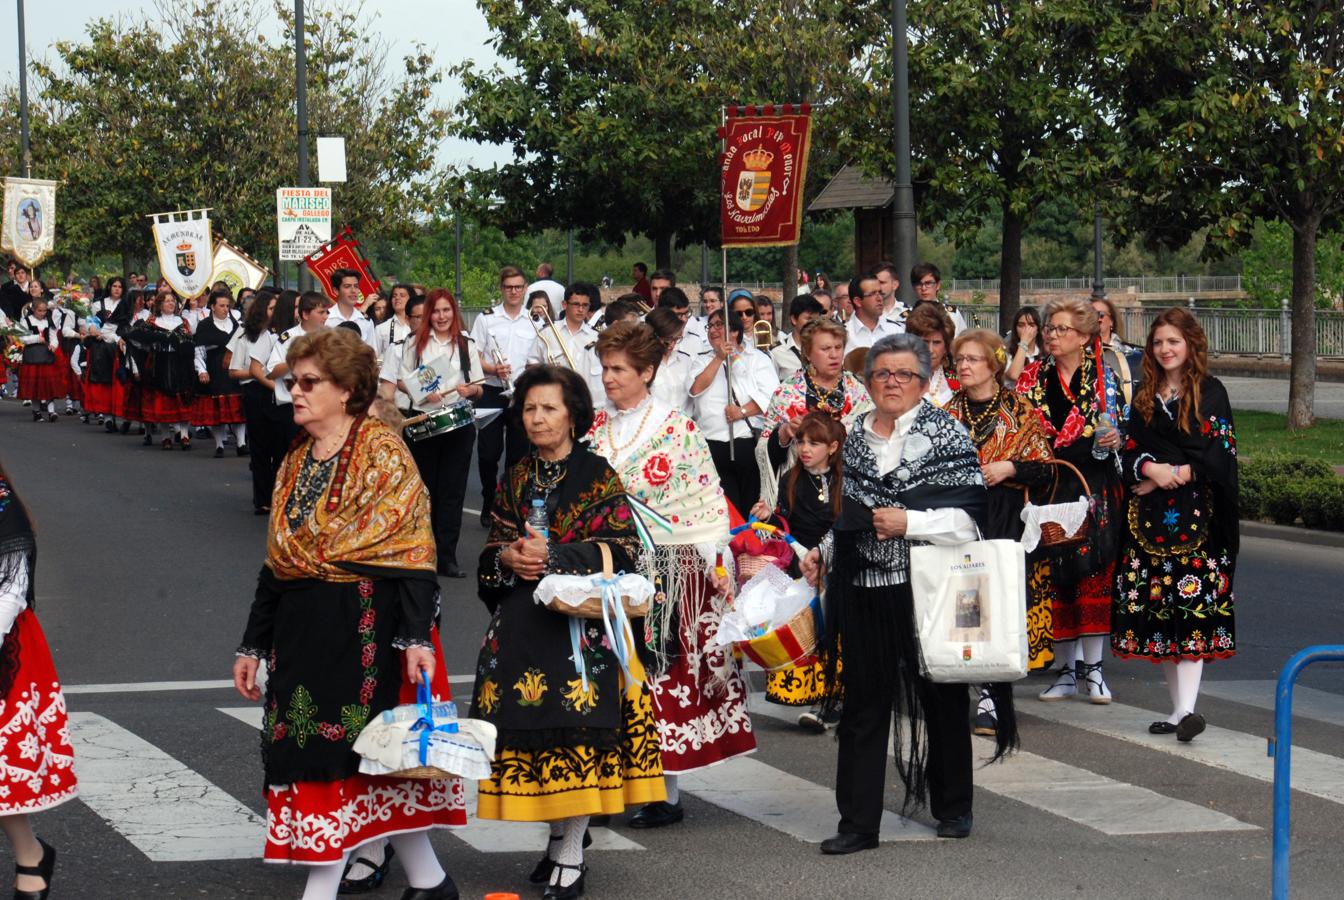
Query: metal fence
x,y
1143,284
1249,332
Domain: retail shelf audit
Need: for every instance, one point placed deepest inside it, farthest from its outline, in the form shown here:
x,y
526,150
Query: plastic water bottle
x,y
537,519
1105,425
409,712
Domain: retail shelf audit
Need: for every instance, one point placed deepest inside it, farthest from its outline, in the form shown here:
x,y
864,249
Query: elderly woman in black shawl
x,y
911,474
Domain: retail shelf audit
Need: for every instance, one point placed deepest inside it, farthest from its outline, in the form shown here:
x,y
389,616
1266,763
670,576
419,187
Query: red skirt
x,y
41,381
222,409
73,389
103,399
38,771
164,409
316,822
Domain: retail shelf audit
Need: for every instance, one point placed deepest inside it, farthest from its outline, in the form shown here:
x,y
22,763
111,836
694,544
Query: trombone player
x,y
570,341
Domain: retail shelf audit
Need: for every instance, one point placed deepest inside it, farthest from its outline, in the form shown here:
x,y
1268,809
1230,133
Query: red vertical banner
x,y
341,252
763,170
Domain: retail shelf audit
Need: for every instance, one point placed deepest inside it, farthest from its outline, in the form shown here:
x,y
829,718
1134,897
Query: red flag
x,y
764,168
342,252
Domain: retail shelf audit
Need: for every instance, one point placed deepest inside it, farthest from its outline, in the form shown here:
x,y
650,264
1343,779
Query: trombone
x,y
763,335
540,315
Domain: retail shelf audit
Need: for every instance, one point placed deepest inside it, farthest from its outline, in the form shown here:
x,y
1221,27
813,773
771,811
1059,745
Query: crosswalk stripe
x,y
1308,703
1318,774
167,810
1109,806
784,802
482,834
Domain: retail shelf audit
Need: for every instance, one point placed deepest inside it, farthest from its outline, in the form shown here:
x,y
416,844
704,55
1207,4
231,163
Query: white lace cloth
x,y
572,590
1070,517
770,599
387,747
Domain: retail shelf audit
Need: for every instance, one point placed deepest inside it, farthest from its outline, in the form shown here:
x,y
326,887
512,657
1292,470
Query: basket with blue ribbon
x,y
426,740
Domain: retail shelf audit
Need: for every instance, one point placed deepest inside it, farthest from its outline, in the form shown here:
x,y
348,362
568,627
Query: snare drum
x,y
441,421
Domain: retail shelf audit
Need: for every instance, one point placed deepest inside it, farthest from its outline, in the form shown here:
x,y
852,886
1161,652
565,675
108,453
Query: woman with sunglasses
x,y
1082,407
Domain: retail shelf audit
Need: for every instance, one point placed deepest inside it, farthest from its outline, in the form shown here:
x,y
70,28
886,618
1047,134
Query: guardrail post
x,y
1285,330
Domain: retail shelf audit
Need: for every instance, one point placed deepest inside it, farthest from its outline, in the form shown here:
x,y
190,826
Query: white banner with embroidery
x,y
29,230
186,250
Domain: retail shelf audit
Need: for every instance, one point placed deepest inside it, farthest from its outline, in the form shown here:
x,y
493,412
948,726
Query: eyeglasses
x,y
513,287
306,383
902,376
1058,329
958,360
927,284
1103,314
868,294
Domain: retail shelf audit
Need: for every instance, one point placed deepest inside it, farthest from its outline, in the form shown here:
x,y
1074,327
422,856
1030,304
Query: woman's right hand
x,y
1163,475
245,677
760,512
786,431
1145,487
811,566
1026,333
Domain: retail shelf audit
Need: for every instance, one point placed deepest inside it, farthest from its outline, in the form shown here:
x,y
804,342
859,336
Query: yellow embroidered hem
x,y
799,686
1040,618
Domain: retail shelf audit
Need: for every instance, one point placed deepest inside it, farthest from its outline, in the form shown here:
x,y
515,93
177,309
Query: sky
x,y
451,30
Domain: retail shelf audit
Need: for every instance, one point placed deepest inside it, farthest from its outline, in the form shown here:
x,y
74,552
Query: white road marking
x,y
1308,703
1109,806
167,810
1318,774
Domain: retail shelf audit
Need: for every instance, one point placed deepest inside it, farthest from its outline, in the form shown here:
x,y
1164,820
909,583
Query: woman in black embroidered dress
x,y
1174,601
566,750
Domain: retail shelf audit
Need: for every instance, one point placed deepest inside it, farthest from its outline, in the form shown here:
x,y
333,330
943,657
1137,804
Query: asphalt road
x,y
147,563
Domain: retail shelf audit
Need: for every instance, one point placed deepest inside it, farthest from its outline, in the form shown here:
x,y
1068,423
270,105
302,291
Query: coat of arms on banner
x,y
30,219
753,185
186,251
237,269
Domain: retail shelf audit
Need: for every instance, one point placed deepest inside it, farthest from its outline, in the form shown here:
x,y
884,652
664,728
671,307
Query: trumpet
x,y
499,358
763,335
541,315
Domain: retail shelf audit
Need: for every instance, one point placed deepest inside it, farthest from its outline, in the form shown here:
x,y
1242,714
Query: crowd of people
x,y
643,434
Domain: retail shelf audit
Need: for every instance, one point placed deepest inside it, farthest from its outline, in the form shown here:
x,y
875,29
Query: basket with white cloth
x,y
426,740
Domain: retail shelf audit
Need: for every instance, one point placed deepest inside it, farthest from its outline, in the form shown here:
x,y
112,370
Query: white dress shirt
x,y
787,357
276,357
498,332
672,384
366,328
437,370
754,378
949,525
860,335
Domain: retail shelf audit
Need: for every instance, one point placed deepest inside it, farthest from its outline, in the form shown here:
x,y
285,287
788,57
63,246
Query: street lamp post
x,y
301,98
1098,282
457,253
26,162
904,233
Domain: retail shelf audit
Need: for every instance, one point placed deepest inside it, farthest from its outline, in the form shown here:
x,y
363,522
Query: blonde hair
x,y
821,325
992,344
1080,311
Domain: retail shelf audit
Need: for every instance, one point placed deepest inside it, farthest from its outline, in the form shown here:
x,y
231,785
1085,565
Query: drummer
x,y
440,367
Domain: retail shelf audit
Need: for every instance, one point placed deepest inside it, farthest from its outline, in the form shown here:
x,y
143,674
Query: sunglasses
x,y
306,383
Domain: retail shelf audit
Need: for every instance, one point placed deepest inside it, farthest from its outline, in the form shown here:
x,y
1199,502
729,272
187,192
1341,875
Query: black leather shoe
x,y
657,815
219,453
452,570
243,451
542,872
485,517
1163,727
370,882
445,891
570,892
1190,727
848,843
42,870
959,827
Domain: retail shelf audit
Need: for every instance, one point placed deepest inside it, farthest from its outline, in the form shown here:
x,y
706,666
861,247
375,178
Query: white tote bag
x,y
971,610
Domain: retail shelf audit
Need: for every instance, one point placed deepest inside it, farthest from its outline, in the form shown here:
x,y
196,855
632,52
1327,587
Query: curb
x,y
1292,533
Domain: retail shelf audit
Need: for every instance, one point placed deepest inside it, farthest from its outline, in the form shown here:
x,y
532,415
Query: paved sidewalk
x,y
1271,395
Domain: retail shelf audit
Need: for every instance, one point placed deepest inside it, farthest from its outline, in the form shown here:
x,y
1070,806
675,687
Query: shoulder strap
x,y
463,358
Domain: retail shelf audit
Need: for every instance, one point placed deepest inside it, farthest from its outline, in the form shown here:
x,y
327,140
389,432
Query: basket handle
x,y
608,567
1064,462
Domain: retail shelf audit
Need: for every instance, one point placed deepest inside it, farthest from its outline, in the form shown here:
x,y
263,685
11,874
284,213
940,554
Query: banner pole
x,y
723,262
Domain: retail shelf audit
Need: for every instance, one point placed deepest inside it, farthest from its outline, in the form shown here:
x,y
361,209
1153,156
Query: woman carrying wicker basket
x,y
572,744
1082,411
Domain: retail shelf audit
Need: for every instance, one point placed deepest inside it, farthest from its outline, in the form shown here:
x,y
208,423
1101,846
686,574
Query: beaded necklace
x,y
831,402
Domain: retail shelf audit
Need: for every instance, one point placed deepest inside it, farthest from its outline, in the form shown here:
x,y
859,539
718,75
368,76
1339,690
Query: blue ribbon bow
x,y
614,622
426,721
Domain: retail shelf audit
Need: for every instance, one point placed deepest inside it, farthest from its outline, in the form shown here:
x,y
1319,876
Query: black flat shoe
x,y
219,453
569,892
445,891
542,872
149,441
242,450
110,427
985,724
126,428
37,417
370,882
42,870
1163,727
842,844
485,518
452,570
1190,727
657,815
959,827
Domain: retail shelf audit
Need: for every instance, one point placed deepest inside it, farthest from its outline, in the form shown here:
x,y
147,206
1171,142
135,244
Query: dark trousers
x,y
500,436
740,476
265,438
864,732
444,461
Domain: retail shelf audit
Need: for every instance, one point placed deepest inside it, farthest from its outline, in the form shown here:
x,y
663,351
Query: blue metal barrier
x,y
1281,748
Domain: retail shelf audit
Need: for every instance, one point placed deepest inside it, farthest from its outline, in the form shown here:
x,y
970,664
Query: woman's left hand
x,y
202,378
889,523
419,659
722,585
1110,440
997,472
534,546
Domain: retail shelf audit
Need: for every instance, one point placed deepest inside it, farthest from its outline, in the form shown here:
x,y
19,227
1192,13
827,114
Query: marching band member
x,y
672,384
927,281
730,413
219,401
698,694
257,397
693,339
389,369
889,282
578,337
869,322
163,351
41,376
504,336
539,304
787,355
345,282
438,366
392,331
312,317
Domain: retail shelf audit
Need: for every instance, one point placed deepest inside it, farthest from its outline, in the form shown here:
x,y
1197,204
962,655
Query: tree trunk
x,y
1302,368
127,261
788,260
662,250
1010,269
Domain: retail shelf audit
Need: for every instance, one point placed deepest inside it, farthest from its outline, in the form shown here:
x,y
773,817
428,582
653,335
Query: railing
x,y
1281,749
1143,284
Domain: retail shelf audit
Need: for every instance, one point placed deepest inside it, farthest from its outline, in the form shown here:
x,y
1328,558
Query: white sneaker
x,y
1097,691
1065,686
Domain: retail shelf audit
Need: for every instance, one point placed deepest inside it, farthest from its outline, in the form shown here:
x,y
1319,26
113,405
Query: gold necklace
x,y
819,483
320,446
990,411
611,435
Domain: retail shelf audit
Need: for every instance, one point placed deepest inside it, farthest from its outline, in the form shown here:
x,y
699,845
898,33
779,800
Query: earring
x,y
572,436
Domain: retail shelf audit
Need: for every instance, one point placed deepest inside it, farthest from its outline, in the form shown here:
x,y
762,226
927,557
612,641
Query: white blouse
x,y
438,369
754,378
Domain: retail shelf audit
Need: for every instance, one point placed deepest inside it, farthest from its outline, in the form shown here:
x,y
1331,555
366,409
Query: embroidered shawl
x,y
794,399
373,513
1014,432
1067,424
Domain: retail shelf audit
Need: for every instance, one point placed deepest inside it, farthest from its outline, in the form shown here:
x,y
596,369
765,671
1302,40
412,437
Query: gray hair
x,y
900,343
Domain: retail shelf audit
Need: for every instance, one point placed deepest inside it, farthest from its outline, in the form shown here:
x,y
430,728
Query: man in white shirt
x,y
693,338
889,282
868,323
312,317
577,337
788,354
927,282
345,282
504,337
555,291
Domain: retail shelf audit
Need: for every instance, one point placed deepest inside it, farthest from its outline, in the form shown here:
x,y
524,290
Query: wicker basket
x,y
1053,535
591,608
792,644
